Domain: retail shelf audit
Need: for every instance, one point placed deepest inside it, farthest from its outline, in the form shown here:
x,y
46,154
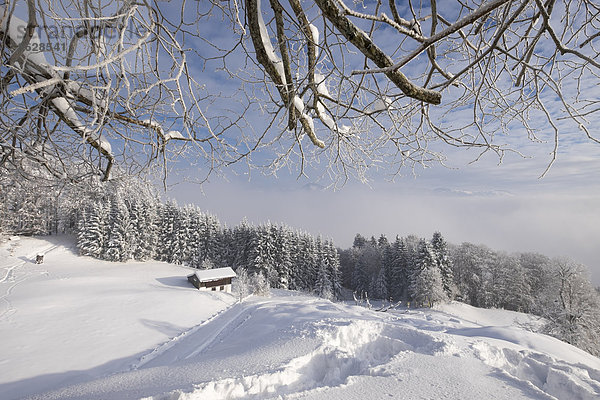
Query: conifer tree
x,y
379,287
307,262
261,252
211,238
400,268
426,288
295,260
144,223
323,287
92,233
360,278
333,262
242,241
359,241
183,246
167,231
137,223
442,259
387,262
282,256
118,247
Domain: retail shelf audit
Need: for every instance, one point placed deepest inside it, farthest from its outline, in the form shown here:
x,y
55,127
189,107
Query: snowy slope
x,y
76,328
73,318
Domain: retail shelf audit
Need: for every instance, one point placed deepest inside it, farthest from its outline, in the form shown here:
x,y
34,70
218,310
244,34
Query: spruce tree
x,y
295,257
400,271
323,287
442,259
167,228
379,289
426,288
333,262
282,256
360,279
118,247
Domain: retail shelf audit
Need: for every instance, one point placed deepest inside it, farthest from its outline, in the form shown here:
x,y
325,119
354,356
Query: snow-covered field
x,y
78,328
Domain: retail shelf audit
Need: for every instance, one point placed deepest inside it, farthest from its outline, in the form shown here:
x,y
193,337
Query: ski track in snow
x,y
160,350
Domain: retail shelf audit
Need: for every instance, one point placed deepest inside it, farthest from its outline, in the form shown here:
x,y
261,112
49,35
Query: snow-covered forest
x,y
424,272
127,221
122,221
114,228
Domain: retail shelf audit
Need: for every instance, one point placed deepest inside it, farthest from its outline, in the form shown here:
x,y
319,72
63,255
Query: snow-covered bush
x,y
241,284
260,285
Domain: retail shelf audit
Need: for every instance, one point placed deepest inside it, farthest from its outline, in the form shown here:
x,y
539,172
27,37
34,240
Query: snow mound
x,y
487,316
349,348
554,377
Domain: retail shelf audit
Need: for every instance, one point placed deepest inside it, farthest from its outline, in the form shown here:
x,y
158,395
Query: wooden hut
x,y
217,279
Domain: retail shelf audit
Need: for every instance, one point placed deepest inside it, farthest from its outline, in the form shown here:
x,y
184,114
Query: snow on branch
x,y
266,56
362,42
35,86
40,75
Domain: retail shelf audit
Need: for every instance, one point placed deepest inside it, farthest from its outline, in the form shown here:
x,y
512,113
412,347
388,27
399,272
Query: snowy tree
x,y
509,286
307,263
118,247
207,264
359,241
282,240
227,247
211,237
323,287
36,203
197,239
387,263
242,241
539,277
293,245
360,279
334,273
136,219
347,258
400,271
575,317
93,230
241,284
147,230
442,259
426,287
379,286
260,284
169,215
183,247
470,263
262,252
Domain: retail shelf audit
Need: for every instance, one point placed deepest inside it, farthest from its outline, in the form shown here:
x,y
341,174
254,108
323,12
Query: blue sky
x,y
505,206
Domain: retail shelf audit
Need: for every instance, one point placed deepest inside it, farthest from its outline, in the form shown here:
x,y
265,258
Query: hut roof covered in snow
x,y
207,275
